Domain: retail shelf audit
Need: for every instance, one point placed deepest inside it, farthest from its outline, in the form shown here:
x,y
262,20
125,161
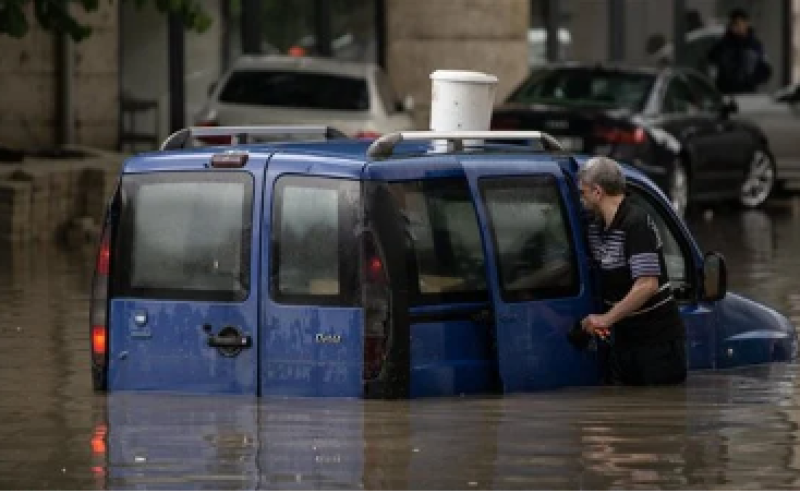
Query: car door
x,y
539,281
699,139
681,256
733,143
312,320
183,299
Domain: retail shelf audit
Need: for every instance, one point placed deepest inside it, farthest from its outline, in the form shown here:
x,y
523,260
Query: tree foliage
x,y
58,16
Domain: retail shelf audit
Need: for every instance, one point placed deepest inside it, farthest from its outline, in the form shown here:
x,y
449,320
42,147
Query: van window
x,y
314,246
530,231
296,90
446,239
185,236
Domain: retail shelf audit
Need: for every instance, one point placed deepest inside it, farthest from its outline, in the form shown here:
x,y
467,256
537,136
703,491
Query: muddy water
x,y
736,429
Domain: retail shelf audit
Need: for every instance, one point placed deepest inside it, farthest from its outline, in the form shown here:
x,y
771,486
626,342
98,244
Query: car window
x,y
314,257
678,98
675,255
185,236
386,92
445,238
296,90
585,87
531,237
706,94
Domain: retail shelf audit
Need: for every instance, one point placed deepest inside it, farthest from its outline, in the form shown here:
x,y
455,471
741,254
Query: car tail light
x,y
367,134
505,123
99,309
376,309
621,136
221,140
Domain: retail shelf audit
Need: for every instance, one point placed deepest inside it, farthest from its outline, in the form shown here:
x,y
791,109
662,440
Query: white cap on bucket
x,y
461,100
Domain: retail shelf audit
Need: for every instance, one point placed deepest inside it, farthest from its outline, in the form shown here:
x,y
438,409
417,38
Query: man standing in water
x,y
642,322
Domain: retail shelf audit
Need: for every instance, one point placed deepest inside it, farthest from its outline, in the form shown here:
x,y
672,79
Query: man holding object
x,y
642,323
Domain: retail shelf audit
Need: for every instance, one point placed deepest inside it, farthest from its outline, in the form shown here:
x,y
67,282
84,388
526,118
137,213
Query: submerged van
x,y
393,268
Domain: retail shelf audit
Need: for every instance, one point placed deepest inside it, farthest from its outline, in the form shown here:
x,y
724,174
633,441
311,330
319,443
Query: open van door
x,y
538,279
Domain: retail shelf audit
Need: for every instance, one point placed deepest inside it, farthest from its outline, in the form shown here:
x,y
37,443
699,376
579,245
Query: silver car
x,y
355,98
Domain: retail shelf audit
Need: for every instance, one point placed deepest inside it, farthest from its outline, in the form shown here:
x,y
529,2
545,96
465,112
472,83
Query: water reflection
x,y
734,429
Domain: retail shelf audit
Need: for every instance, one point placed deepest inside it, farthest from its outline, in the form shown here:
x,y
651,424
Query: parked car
x,y
778,116
671,123
385,269
357,98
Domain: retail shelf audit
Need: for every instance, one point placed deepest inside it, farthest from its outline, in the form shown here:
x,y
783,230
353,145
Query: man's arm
x,y
643,289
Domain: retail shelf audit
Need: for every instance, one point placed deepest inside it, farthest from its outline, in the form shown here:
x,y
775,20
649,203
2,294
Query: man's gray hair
x,y
604,172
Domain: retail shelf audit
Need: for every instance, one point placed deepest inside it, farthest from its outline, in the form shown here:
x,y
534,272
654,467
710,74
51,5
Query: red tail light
x,y
367,134
213,141
99,305
99,340
376,309
505,123
621,136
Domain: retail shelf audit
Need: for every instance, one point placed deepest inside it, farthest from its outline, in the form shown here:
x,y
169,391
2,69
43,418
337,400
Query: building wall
x,y
29,80
144,59
428,35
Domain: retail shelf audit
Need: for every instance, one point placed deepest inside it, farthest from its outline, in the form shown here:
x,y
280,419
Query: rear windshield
x,y
450,265
296,90
585,87
185,236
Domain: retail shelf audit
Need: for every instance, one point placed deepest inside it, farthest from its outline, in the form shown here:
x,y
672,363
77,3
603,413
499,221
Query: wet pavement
x,y
734,429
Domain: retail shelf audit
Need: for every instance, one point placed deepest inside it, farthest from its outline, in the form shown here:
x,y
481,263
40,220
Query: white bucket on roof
x,y
461,100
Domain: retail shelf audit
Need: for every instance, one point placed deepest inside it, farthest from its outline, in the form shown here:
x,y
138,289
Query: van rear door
x,y
539,281
183,304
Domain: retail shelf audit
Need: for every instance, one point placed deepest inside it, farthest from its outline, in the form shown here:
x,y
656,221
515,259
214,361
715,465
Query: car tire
x,y
760,181
678,188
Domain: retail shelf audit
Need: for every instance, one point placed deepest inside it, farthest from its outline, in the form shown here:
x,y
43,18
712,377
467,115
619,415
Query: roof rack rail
x,y
239,135
384,145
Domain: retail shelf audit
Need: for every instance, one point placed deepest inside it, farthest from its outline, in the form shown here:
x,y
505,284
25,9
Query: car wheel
x,y
760,179
678,191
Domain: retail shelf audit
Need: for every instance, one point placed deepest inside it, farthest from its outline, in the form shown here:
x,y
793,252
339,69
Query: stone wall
x,y
29,80
429,35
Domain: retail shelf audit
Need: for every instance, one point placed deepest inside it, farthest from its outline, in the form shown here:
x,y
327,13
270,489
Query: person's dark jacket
x,y
740,63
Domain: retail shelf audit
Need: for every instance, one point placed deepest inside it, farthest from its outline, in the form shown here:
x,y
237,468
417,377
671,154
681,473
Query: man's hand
x,y
598,325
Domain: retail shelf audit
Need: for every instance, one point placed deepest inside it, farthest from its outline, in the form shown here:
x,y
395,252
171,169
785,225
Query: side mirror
x,y
715,277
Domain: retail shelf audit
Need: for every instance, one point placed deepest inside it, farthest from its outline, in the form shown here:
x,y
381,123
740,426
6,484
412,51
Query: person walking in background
x,y
738,58
642,323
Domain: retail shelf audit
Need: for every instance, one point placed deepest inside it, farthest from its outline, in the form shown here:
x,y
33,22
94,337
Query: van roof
x,y
348,154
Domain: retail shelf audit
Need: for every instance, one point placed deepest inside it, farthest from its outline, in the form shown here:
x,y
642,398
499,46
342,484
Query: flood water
x,y
734,429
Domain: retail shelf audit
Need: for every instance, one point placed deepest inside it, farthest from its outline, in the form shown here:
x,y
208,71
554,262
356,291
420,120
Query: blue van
x,y
333,267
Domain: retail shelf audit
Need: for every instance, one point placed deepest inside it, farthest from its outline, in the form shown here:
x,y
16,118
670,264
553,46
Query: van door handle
x,y
230,341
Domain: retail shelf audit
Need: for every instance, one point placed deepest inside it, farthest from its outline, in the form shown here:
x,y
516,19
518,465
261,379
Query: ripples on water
x,y
735,429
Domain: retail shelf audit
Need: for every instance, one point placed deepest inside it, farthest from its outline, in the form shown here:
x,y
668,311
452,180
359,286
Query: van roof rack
x,y
384,145
240,134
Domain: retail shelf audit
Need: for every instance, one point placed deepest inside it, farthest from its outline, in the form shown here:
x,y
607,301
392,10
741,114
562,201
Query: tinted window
x,y
446,240
530,232
585,87
314,246
185,236
296,90
707,96
678,98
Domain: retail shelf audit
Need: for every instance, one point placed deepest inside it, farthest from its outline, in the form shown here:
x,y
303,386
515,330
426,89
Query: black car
x,y
671,123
